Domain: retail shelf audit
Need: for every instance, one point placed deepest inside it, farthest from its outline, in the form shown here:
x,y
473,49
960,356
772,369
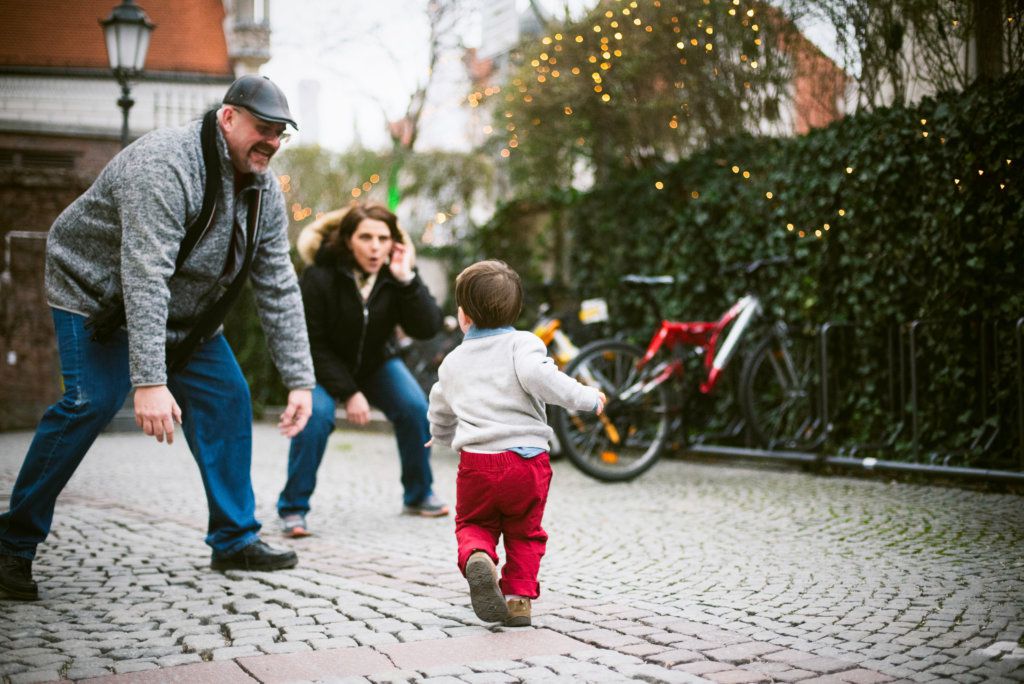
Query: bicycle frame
x,y
704,336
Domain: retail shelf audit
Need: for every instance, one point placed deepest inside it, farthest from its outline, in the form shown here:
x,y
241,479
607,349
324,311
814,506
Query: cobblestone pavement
x,y
694,572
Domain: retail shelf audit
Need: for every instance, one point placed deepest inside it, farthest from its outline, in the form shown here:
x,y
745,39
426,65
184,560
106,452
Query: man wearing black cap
x,y
140,271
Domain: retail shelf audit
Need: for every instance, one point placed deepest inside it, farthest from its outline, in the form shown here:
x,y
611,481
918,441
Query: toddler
x,y
489,405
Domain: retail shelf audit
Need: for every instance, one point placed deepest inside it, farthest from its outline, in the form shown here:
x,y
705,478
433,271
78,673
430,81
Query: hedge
x,y
891,216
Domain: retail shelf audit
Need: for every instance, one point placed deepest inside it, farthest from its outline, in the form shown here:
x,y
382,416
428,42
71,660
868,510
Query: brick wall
x,y
29,368
30,200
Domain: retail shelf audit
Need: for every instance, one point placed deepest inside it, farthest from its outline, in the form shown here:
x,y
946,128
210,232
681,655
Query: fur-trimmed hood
x,y
312,236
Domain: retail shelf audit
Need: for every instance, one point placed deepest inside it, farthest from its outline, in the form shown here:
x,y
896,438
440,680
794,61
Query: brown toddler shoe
x,y
487,599
518,613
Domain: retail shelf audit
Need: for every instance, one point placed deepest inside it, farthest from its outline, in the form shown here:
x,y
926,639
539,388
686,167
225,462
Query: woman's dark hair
x,y
490,293
336,242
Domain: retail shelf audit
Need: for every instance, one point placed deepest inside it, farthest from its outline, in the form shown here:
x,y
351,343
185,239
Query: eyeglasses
x,y
267,129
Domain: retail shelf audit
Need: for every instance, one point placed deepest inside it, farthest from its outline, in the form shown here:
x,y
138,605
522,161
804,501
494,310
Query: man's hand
x,y
156,412
297,413
357,409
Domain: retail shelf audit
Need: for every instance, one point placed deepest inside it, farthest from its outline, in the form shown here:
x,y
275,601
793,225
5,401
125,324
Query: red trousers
x,y
503,495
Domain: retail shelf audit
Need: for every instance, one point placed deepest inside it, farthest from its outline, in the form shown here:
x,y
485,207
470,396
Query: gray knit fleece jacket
x,y
492,390
121,239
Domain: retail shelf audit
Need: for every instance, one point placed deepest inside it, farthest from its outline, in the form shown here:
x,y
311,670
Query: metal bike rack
x,y
1020,387
911,360
896,383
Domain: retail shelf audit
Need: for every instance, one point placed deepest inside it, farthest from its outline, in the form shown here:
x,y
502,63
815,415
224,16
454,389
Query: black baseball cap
x,y
262,97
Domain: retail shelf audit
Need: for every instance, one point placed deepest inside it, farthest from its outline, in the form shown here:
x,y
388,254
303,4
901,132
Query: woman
x,y
360,285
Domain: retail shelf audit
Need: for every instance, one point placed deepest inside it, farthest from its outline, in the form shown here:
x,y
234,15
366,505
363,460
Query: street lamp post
x,y
127,32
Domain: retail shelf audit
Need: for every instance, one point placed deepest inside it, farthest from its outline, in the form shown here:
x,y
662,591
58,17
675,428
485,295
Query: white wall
x,y
88,106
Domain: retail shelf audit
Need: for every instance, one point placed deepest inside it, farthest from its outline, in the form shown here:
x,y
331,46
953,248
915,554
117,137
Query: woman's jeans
x,y
393,390
216,420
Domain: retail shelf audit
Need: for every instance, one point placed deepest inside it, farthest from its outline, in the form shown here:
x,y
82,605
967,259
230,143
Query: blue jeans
x,y
392,389
216,420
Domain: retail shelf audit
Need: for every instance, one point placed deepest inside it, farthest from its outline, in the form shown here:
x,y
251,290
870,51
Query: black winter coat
x,y
349,340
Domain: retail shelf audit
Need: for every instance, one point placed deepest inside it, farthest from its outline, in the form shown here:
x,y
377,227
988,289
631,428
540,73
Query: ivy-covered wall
x,y
893,216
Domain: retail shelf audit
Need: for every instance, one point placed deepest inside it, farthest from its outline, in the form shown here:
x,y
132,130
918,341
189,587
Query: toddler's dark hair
x,y
490,293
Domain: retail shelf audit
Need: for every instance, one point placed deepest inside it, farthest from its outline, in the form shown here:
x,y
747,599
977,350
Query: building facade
x,y
60,124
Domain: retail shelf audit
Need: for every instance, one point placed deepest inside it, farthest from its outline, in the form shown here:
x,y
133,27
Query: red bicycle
x,y
775,390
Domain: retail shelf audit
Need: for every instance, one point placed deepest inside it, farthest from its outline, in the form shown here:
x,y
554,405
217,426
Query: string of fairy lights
x,y
548,67
611,31
301,213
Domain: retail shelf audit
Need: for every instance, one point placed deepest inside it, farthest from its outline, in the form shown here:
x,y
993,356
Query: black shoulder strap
x,y
211,160
111,315
179,355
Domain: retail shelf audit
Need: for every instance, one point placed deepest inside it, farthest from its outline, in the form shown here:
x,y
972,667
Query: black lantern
x,y
127,32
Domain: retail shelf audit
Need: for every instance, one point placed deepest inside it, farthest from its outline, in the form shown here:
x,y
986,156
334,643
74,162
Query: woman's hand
x,y
357,409
401,263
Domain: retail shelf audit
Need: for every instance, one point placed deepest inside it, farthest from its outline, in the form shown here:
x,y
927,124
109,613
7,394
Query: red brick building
x,y
60,124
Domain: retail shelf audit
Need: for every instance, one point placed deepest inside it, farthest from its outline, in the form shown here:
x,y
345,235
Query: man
x,y
119,242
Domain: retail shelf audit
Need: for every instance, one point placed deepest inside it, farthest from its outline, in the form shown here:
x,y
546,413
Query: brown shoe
x,y
487,599
518,613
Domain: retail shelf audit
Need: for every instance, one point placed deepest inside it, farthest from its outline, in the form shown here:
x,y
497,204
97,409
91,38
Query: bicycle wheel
x,y
628,437
777,395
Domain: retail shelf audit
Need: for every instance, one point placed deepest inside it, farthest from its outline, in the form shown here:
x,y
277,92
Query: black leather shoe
x,y
16,578
256,556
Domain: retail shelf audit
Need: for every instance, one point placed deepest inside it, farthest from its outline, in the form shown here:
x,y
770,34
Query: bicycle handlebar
x,y
633,279
750,267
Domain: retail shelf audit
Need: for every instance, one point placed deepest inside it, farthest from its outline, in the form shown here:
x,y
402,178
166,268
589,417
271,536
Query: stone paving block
x,y
864,676
199,673
179,659
284,647
75,673
446,671
488,677
609,658
257,640
512,645
561,624
316,665
375,639
741,653
292,621
494,665
654,673
442,680
644,649
737,676
703,667
128,666
793,675
34,676
473,630
605,638
675,656
232,652
410,635
201,643
537,674
40,661
332,643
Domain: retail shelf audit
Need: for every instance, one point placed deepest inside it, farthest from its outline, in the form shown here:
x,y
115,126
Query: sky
x,y
365,59
348,66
